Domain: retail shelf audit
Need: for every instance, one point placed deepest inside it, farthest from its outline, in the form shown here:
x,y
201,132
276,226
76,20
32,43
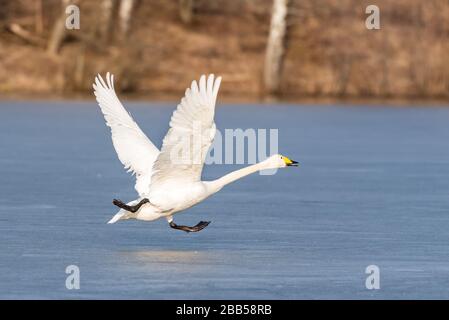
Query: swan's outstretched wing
x,y
134,149
191,132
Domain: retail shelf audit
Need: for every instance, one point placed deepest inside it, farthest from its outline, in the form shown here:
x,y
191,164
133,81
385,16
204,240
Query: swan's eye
x,y
282,157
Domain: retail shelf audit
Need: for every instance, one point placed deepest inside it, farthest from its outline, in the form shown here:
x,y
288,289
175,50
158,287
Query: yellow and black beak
x,y
290,163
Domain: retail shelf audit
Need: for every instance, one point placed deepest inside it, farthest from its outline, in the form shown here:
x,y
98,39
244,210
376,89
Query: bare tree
x,y
59,31
186,10
26,35
107,15
125,12
39,17
275,46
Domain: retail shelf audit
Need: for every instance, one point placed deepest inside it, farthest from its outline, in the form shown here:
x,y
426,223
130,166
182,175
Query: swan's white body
x,y
170,185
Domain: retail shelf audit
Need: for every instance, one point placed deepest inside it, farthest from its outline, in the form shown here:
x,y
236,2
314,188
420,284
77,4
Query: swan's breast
x,y
176,197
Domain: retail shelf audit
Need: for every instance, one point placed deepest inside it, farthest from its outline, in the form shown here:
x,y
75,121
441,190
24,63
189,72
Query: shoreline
x,y
227,99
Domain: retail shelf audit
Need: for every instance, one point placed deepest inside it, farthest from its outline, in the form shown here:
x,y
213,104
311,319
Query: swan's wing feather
x,y
134,149
191,133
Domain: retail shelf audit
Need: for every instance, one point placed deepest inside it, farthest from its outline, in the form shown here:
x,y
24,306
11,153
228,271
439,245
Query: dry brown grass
x,y
329,52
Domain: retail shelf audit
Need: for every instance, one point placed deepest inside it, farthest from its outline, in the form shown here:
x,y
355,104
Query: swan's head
x,y
279,161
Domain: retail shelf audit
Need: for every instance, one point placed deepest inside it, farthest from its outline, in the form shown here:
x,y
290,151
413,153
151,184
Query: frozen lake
x,y
372,188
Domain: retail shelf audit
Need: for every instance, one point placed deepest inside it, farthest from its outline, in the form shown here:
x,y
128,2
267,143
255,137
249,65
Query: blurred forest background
x,y
319,48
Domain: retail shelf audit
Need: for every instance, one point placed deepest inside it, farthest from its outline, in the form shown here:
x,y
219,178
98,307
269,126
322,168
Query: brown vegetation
x,y
329,52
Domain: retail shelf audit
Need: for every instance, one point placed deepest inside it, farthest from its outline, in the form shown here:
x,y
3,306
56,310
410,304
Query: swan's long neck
x,y
216,185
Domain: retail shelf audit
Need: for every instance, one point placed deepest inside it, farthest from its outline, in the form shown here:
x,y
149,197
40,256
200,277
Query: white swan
x,y
166,184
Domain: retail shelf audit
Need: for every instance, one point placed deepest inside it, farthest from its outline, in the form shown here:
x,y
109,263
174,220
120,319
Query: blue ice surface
x,y
372,188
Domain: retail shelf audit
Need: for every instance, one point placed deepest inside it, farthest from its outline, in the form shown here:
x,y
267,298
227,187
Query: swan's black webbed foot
x,y
126,207
200,226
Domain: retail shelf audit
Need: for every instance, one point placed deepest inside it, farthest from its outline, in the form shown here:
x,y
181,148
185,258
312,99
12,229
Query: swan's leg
x,y
200,226
126,207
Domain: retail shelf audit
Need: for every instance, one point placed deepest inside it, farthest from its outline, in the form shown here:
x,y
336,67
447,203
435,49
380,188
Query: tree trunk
x,y
26,35
275,47
107,13
59,31
186,10
39,17
125,10
80,66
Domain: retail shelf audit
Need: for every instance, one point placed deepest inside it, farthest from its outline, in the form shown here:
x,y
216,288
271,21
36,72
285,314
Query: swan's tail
x,y
119,215
123,214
